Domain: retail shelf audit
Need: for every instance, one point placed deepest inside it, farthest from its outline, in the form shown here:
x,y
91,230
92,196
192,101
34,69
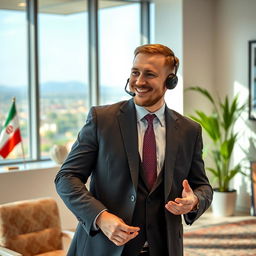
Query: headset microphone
x,y
125,88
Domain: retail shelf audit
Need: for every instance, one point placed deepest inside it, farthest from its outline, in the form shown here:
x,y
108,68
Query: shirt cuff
x,y
94,225
196,207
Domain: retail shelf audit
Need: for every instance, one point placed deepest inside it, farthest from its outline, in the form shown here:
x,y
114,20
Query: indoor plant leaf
x,y
219,125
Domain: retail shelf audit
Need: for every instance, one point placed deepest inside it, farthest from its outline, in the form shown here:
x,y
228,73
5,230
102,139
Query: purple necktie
x,y
149,153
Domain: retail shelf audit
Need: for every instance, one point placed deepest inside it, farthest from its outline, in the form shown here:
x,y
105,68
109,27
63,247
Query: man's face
x,y
147,80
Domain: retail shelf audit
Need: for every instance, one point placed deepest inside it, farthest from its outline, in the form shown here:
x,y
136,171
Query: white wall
x,y
235,26
216,35
198,57
168,31
211,39
198,50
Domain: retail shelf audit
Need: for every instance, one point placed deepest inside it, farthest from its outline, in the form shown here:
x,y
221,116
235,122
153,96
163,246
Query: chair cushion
x,y
36,242
53,253
28,216
30,227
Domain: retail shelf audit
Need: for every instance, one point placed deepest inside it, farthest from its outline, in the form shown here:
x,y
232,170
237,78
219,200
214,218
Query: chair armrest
x,y
8,252
67,233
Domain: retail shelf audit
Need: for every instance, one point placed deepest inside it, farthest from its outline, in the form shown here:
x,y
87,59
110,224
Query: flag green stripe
x,y
11,114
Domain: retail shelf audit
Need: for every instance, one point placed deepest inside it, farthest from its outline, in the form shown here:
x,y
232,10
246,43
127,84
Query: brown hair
x,y
171,59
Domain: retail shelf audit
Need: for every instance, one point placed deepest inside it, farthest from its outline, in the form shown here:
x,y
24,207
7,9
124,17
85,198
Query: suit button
x,y
132,198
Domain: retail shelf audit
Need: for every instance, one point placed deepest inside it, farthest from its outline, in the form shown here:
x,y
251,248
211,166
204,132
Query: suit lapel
x,y
172,144
128,125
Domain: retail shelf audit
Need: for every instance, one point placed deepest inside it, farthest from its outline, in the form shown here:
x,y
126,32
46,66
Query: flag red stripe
x,y
10,144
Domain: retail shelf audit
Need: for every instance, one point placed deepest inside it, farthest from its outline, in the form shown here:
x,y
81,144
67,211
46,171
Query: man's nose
x,y
140,80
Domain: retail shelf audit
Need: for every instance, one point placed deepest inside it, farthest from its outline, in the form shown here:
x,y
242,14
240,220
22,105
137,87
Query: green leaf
x,y
226,115
232,173
203,92
230,112
219,125
213,171
209,123
217,159
227,147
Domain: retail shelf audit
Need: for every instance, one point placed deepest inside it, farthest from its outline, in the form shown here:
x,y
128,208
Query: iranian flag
x,y
10,135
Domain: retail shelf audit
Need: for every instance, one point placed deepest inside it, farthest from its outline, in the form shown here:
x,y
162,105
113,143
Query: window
x,y
63,72
14,68
47,67
117,41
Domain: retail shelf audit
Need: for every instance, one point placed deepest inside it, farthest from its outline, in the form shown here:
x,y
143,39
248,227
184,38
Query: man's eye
x,y
150,75
135,73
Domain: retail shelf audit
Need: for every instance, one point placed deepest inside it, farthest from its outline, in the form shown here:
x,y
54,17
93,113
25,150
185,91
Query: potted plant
x,y
219,126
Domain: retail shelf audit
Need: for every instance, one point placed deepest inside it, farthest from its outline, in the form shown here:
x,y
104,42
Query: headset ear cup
x,y
171,81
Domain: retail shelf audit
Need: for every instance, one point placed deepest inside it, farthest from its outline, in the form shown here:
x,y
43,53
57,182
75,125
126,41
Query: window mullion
x,y
34,99
93,52
145,21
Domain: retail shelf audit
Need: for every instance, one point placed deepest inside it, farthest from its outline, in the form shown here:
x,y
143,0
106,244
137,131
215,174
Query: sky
x,y
63,46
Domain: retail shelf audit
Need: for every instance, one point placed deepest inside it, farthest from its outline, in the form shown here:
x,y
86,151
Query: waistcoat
x,y
149,215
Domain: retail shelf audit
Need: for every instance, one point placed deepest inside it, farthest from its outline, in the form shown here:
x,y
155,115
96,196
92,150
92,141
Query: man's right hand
x,y
115,228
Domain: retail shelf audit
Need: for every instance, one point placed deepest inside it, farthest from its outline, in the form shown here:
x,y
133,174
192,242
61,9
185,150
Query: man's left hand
x,y
185,204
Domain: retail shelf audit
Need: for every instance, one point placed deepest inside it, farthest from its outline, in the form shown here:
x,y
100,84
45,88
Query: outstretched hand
x,y
185,204
115,229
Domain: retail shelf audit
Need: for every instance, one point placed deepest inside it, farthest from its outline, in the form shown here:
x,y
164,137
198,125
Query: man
x,y
146,168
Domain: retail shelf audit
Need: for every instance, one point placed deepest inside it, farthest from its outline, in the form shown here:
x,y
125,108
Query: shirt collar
x,y
141,112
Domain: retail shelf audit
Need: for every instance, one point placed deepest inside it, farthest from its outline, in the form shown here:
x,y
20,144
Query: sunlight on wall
x,y
243,151
174,98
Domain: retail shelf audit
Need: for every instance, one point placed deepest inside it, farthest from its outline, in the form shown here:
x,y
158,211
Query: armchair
x,y
30,228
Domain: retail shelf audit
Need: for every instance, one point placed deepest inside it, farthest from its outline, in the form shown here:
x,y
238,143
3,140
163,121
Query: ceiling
x,y
59,6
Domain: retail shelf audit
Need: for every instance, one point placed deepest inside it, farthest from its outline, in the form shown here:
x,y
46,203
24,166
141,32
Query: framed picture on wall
x,y
252,79
253,186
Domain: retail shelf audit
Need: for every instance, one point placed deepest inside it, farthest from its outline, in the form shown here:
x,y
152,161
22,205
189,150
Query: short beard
x,y
148,103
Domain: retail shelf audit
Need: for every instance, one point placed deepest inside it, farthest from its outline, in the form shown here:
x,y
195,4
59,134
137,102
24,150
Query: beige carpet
x,y
231,239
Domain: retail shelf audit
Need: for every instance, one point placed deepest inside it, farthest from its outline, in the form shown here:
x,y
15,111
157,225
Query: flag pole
x,y
22,145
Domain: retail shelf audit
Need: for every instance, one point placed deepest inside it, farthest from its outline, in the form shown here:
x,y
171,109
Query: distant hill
x,y
49,89
70,89
8,92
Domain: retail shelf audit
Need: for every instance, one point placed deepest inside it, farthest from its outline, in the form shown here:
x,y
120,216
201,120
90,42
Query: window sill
x,y
29,167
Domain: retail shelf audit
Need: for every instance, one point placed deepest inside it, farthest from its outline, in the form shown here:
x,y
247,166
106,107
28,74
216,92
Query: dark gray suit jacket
x,y
107,150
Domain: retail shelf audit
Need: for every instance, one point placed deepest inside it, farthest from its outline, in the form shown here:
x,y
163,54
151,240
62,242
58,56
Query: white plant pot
x,y
223,203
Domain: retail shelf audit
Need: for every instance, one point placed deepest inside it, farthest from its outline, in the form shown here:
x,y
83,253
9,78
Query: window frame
x,y
93,59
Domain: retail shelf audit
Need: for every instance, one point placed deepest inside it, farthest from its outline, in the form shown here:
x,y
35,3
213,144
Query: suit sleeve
x,y
74,173
198,181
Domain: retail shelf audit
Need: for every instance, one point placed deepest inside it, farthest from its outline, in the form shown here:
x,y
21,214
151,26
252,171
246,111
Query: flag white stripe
x,y
4,137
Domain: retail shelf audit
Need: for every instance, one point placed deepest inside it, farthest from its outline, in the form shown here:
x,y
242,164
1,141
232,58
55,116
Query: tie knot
x,y
150,118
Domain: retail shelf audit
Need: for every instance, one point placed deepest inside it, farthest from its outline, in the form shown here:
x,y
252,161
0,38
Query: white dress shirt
x,y
159,130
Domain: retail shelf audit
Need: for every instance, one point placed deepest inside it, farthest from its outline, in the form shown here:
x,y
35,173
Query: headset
x,y
170,82
172,79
